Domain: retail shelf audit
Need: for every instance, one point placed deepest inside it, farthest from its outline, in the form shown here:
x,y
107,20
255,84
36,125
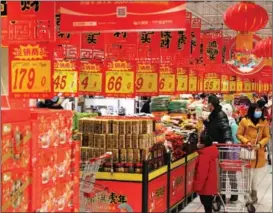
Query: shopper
x,y
146,107
254,131
227,108
217,129
206,176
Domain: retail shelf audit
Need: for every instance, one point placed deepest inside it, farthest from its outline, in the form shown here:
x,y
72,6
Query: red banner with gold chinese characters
x,y
31,21
120,79
213,49
94,16
195,37
147,79
91,78
30,71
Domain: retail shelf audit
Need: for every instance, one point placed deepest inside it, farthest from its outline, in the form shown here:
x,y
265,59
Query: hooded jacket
x,y
218,126
206,175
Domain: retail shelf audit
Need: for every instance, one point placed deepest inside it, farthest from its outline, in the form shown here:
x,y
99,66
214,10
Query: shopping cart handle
x,y
232,145
107,155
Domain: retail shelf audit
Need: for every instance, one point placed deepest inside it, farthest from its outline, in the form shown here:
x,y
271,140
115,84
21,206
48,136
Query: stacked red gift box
x,y
40,162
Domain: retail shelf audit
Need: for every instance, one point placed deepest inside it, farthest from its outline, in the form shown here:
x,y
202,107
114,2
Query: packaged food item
x,y
121,142
109,141
107,167
135,141
123,155
85,139
91,140
115,127
128,127
97,141
115,144
104,126
143,141
119,167
102,151
97,127
129,168
83,153
130,155
138,168
103,141
90,125
144,154
136,155
128,142
135,126
115,155
96,152
144,127
122,127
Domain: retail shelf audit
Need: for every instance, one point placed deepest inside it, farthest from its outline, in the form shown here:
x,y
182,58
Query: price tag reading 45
x,y
65,82
30,76
119,83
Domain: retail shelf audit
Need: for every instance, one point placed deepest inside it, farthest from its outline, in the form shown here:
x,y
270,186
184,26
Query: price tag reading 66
x,y
119,83
30,76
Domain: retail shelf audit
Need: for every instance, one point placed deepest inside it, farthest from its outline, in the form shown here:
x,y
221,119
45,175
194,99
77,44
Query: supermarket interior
x,y
136,106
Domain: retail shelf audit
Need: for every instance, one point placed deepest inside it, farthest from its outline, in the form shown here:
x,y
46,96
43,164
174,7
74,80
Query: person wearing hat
x,y
217,127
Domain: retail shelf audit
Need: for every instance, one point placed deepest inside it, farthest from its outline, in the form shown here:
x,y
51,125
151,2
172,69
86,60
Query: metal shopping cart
x,y
234,172
93,197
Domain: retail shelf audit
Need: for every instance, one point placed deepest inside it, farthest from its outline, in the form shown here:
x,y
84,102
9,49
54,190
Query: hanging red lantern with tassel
x,y
246,18
263,49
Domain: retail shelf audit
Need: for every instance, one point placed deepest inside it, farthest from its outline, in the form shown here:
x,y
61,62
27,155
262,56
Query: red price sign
x,y
30,72
167,83
146,84
119,83
65,82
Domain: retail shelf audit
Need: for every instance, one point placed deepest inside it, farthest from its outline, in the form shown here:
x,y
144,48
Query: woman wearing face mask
x,y
254,131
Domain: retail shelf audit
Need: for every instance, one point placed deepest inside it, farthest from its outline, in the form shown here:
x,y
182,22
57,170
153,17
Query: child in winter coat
x,y
205,179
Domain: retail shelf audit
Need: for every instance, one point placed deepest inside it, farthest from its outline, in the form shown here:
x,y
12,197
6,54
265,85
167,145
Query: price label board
x,y
90,78
232,84
193,81
224,84
30,71
247,85
119,79
65,77
147,79
167,80
212,82
239,85
182,77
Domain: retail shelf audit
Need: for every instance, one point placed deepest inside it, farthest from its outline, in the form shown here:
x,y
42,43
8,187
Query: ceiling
x,y
211,13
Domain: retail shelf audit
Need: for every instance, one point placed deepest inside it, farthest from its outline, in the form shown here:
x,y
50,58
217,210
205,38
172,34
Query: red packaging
x,y
63,164
64,196
16,188
75,156
44,201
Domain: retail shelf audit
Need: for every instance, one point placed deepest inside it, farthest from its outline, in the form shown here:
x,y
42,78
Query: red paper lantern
x,y
263,49
246,17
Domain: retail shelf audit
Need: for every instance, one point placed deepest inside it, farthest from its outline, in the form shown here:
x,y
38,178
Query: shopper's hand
x,y
257,146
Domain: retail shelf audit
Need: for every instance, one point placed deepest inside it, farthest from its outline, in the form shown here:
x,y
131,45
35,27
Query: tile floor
x,y
264,194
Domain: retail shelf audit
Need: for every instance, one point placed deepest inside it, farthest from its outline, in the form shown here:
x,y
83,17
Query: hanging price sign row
x,y
30,71
120,79
212,82
182,81
147,79
224,84
90,79
167,80
65,77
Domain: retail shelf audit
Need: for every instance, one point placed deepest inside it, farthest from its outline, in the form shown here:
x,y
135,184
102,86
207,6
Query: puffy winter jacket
x,y
206,175
218,126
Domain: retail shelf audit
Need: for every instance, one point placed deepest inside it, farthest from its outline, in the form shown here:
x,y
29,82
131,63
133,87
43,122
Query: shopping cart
x,y
234,174
94,197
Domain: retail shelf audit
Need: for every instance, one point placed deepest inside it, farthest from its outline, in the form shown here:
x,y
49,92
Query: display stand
x,y
167,189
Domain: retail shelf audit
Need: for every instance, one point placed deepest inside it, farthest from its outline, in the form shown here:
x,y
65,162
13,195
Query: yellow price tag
x,y
224,84
239,86
247,86
146,82
212,85
201,84
167,82
192,84
90,82
119,82
30,76
65,81
232,86
182,83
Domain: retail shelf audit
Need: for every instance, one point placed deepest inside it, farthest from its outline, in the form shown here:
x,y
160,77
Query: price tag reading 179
x,y
119,82
65,81
31,76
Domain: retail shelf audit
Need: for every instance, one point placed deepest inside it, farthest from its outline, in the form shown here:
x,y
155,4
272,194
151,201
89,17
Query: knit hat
x,y
213,100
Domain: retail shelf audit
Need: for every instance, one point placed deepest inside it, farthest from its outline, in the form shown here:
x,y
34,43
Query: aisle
x,y
265,195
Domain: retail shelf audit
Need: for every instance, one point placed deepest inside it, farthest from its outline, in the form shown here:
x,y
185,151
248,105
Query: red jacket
x,y
206,175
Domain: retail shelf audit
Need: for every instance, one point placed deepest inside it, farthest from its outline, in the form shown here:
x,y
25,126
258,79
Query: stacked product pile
x,y
128,138
160,104
178,106
43,162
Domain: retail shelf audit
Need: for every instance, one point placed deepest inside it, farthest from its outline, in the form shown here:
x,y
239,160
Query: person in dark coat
x,y
217,125
146,107
206,176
